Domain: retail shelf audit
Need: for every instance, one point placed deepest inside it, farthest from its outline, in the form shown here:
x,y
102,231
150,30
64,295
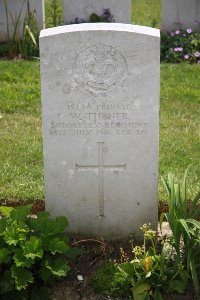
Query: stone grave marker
x,y
181,14
121,10
14,8
100,99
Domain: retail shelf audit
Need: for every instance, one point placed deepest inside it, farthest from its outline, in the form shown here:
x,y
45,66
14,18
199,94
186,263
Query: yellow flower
x,y
148,263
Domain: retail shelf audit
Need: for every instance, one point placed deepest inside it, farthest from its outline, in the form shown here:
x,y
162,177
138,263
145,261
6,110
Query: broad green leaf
x,y
6,210
21,213
61,223
22,277
21,261
14,234
4,255
48,227
33,248
57,266
127,268
58,246
141,287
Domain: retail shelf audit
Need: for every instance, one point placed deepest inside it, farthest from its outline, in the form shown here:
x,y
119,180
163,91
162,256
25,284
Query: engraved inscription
x,y
101,167
100,119
99,70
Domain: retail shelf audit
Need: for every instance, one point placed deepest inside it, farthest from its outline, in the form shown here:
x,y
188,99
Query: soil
x,y
95,254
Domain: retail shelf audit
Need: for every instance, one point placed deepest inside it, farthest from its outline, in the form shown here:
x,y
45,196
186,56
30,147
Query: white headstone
x,y
82,9
14,9
100,98
181,14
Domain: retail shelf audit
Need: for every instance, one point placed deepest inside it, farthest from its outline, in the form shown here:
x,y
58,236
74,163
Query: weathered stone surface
x,y
181,14
100,98
14,8
121,10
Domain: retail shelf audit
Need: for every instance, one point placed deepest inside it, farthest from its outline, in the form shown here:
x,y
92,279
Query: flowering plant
x,y
180,46
152,272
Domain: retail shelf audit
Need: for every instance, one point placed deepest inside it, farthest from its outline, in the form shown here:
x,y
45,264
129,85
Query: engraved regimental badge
x,y
100,70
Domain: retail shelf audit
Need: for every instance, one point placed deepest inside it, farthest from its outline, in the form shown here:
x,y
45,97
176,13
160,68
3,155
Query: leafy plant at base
x,y
31,251
110,281
183,222
146,276
150,272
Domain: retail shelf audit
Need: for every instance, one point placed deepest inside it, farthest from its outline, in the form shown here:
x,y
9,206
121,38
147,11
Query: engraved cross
x,y
101,167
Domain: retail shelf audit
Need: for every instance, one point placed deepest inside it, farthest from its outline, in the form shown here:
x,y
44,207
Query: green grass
x,y
179,122
147,12
49,13
21,171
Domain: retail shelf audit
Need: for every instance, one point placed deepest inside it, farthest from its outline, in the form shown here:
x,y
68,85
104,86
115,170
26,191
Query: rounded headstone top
x,y
120,27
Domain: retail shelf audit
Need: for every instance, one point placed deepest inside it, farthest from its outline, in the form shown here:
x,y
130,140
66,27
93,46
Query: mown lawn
x,y
21,168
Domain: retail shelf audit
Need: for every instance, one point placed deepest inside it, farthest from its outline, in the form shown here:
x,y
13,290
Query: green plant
x,y
30,39
110,281
105,16
150,272
28,45
31,251
180,46
148,275
183,222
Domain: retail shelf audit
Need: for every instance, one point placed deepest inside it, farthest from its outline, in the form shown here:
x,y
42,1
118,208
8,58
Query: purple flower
x,y
197,54
186,56
189,30
178,49
172,33
177,32
198,62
